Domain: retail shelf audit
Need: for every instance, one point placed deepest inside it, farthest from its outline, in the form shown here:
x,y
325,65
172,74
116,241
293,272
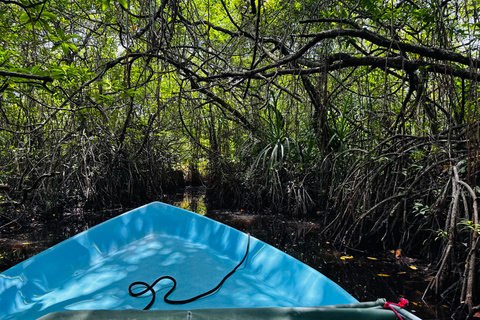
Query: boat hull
x,y
93,270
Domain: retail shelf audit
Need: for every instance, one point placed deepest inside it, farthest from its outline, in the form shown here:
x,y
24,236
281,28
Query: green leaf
x,y
55,47
73,47
132,92
105,4
22,70
24,17
35,69
123,3
46,26
71,36
60,33
65,48
49,15
55,39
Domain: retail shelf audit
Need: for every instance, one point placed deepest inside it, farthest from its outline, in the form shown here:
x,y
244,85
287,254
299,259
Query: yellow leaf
x,y
346,257
371,258
401,272
414,303
413,267
383,275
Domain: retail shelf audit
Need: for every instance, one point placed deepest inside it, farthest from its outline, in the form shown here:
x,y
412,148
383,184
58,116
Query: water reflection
x,y
192,199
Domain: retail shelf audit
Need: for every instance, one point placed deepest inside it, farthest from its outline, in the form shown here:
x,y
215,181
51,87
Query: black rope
x,y
165,298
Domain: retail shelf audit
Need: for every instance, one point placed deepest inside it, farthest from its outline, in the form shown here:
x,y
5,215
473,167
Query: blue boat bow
x,y
94,269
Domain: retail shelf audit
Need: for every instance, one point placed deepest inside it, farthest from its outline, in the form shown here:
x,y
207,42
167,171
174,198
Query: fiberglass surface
x,y
94,269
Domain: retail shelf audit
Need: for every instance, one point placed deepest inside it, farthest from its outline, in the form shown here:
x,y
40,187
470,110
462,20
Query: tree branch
x,y
375,38
24,6
340,61
4,73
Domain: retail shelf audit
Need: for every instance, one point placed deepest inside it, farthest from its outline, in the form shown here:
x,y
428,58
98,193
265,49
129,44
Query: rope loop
x,y
149,287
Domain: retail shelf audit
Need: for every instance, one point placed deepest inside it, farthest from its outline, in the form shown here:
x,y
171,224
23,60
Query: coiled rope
x,y
149,287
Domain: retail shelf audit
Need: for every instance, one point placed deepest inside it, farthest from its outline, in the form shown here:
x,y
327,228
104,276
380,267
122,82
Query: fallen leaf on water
x,y
371,258
413,267
346,257
383,275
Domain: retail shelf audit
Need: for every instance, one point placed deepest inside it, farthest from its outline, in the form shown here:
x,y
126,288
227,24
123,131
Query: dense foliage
x,y
365,111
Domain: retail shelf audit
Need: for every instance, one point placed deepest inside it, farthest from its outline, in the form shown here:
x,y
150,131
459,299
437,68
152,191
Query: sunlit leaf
x,y
65,48
383,275
346,257
371,258
123,3
398,253
73,47
24,17
105,4
413,267
49,15
35,69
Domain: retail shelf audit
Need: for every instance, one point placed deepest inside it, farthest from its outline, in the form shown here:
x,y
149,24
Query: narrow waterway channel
x,y
367,276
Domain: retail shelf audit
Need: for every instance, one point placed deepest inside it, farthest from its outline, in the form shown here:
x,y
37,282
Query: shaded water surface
x,y
389,274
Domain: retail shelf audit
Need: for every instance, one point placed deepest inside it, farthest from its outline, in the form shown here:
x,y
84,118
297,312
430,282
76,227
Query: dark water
x,y
389,275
